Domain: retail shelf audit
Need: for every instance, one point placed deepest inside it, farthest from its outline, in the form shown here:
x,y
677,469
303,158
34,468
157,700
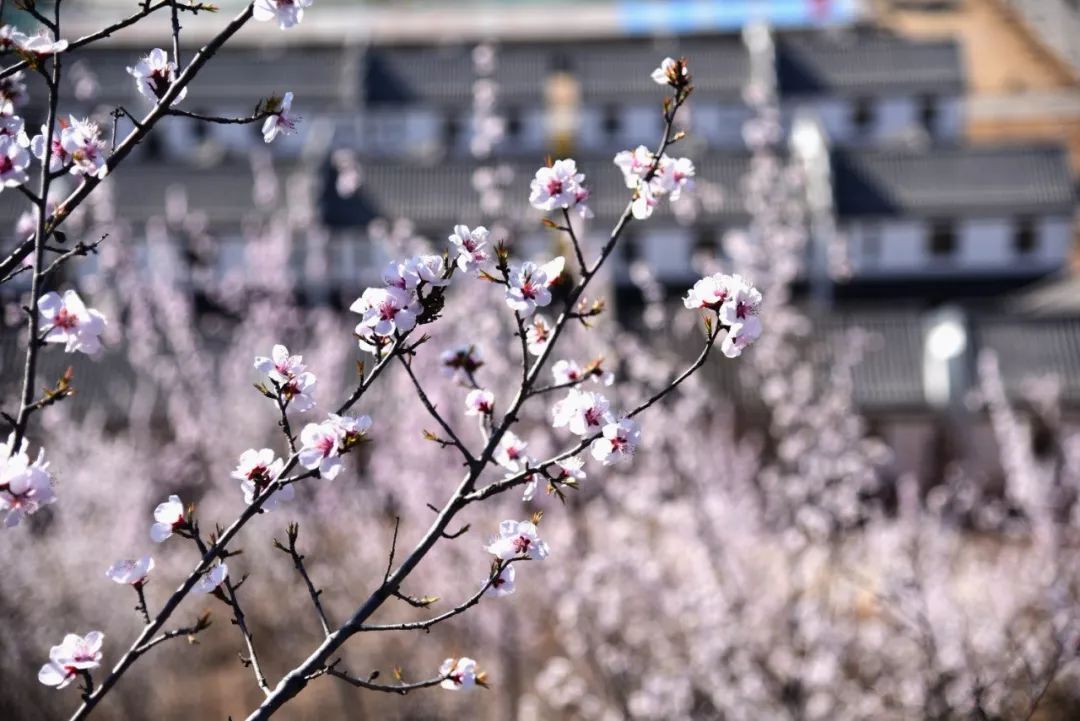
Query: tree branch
x,y
292,532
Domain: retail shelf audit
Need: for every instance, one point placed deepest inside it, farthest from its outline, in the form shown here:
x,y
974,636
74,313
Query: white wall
x,y
893,118
983,245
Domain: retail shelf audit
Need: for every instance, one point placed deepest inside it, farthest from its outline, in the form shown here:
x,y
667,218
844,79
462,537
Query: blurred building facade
x,y
452,132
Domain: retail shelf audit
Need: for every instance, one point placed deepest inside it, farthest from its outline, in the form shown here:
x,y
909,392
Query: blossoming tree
x,y
413,294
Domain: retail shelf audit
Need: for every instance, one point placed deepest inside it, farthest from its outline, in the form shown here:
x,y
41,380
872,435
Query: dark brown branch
x,y
239,618
401,689
434,413
220,120
426,624
292,532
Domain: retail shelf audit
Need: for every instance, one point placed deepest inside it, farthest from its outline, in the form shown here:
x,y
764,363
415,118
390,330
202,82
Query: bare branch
x,y
401,689
292,532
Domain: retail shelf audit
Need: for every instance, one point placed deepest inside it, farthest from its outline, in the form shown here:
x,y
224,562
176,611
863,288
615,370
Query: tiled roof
x,y
444,193
953,181
864,63
1029,348
606,71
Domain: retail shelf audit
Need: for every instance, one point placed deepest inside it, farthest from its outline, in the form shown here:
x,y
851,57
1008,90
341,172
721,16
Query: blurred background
x,y
873,515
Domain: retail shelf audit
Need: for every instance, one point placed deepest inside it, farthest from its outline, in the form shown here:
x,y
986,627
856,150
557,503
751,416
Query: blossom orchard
x,y
412,295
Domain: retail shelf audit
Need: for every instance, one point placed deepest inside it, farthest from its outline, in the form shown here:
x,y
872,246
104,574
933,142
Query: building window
x,y
928,113
450,130
612,121
1025,237
863,115
942,239
513,122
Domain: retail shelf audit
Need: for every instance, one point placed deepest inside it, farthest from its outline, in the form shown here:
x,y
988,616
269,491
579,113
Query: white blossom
x,y
739,336
323,443
479,402
502,584
41,45
255,471
286,13
566,371
618,442
634,164
568,470
74,654
517,539
58,155
469,248
131,571
510,453
25,485
13,92
280,366
386,310
12,126
81,141
671,72
675,175
154,75
67,320
645,201
537,334
13,162
528,288
460,673
559,186
211,579
169,517
710,292
581,412
282,121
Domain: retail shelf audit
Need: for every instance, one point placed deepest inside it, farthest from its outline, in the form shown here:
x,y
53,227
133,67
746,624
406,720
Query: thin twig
x,y
292,532
142,608
239,618
426,624
434,413
401,689
222,120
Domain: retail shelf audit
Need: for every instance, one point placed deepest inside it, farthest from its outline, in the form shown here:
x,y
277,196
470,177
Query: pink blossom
x,y
169,518
74,654
618,442
70,322
517,539
132,572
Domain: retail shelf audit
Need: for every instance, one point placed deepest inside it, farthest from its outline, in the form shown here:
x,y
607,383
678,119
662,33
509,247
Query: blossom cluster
x,y
560,186
324,443
397,306
25,485
653,178
737,303
293,383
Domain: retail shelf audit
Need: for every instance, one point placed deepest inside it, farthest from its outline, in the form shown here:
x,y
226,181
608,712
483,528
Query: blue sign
x,y
687,16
